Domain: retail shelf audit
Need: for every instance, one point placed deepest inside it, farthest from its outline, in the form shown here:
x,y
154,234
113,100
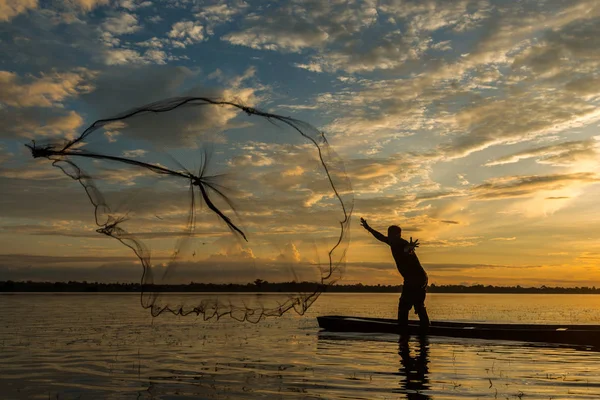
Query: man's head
x,y
394,230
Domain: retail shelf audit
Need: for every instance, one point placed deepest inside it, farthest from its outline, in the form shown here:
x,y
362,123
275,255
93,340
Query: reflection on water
x,y
100,346
414,368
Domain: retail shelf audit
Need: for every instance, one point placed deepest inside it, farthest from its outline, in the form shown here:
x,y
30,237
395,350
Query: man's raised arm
x,y
377,235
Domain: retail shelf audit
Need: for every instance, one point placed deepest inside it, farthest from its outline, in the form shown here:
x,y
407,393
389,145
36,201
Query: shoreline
x,y
266,287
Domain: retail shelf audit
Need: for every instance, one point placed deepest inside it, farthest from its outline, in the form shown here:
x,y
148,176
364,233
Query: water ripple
x,y
106,347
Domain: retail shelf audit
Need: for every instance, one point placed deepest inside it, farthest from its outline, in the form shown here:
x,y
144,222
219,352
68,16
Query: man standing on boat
x,y
414,289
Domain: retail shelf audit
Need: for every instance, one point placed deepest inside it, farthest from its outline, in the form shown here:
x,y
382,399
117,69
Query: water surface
x,y
105,346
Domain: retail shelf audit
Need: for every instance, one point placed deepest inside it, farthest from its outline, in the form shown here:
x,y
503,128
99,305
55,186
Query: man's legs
x,y
423,317
404,306
421,310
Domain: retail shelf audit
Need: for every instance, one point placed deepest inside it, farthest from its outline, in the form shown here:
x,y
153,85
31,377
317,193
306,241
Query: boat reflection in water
x,y
414,368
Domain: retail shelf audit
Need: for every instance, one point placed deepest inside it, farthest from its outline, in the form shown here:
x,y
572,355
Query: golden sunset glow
x,y
473,125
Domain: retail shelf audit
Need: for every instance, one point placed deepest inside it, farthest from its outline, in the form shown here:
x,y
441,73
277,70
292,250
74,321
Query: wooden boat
x,y
580,335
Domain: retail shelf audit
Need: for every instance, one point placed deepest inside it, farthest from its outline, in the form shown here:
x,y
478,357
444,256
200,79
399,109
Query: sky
x,y
472,124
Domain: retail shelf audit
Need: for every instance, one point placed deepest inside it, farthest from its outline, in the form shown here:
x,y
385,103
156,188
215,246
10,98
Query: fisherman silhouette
x,y
414,289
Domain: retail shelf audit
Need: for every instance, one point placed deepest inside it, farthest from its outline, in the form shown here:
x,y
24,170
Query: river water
x,y
105,346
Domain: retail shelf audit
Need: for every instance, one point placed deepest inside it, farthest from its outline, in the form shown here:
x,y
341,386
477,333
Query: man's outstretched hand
x,y
363,223
410,247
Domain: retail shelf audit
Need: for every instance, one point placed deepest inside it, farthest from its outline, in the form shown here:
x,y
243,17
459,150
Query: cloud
x,y
458,242
281,193
41,45
434,267
432,15
450,222
133,57
4,155
519,186
337,31
312,66
290,253
388,52
570,48
526,116
44,202
37,123
15,269
586,86
422,84
373,113
291,174
42,199
298,106
121,24
156,56
252,158
379,210
39,42
86,5
474,101
123,57
220,13
291,29
134,4
57,228
126,23
11,8
45,91
134,153
561,154
374,175
462,180
515,116
442,46
38,195
153,42
388,47
187,32
292,37
118,89
32,107
232,251
438,195
23,259
588,256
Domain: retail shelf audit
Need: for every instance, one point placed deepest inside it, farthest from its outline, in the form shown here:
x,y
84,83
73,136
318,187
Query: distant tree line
x,y
263,286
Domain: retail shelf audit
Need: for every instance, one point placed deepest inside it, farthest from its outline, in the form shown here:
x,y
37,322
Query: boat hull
x,y
581,335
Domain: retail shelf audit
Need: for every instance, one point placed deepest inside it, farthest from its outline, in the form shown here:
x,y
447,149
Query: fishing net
x,y
215,198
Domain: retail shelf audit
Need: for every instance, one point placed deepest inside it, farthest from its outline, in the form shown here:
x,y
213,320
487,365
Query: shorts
x,y
412,296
